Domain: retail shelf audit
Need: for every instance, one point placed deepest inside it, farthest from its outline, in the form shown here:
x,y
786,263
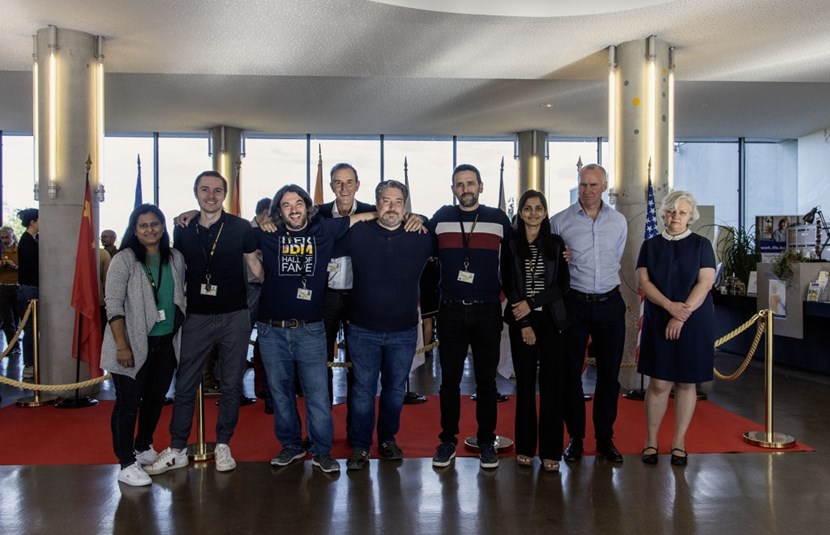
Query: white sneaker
x,y
224,460
167,460
134,476
146,457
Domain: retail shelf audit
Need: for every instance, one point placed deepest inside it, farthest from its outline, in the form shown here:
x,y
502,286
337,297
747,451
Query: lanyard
x,y
465,239
153,284
303,277
209,256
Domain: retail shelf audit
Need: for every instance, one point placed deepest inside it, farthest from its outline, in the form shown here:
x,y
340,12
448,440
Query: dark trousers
x,y
335,315
462,326
548,354
604,322
141,399
9,318
25,294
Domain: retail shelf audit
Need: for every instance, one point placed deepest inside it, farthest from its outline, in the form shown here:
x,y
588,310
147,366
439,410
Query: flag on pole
x,y
649,232
318,184
502,200
138,197
86,341
408,207
236,202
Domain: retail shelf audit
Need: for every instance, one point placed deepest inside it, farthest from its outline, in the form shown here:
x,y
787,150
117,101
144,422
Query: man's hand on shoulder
x,y
415,223
184,218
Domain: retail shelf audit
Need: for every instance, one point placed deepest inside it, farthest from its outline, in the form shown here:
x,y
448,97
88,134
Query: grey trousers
x,y
230,333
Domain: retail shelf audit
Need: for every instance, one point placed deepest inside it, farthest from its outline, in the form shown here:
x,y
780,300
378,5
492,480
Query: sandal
x,y
649,458
550,466
679,460
524,460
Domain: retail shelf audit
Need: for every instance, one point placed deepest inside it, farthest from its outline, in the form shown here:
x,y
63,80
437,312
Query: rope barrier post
x,y
37,399
768,438
200,450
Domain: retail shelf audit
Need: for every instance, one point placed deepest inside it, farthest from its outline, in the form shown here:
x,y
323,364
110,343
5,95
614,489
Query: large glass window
x,y
18,177
270,164
487,156
120,174
562,170
181,159
430,170
771,175
362,154
710,172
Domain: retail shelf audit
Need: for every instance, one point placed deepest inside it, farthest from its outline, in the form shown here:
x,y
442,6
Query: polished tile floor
x,y
717,493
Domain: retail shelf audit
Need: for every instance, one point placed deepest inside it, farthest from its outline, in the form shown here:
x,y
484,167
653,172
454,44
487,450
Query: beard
x,y
468,199
291,225
391,219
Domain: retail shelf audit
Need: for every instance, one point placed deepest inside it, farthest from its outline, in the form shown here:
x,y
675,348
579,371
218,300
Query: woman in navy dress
x,y
676,270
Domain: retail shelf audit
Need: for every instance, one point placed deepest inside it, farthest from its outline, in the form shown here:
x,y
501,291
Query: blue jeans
x,y
24,295
388,355
304,348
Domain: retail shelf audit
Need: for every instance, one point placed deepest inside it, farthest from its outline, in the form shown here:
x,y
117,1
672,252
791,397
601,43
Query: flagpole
x,y
410,397
79,402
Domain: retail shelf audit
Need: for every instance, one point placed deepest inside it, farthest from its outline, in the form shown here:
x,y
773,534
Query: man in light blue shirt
x,y
594,234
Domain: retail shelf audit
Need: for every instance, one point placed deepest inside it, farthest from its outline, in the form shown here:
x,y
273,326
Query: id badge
x,y
304,294
209,289
334,267
161,316
466,276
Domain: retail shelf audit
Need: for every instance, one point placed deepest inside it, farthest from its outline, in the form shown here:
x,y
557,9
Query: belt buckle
x,y
467,303
291,324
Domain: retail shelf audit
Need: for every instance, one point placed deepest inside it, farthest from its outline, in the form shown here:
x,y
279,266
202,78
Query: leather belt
x,y
593,298
466,303
287,324
335,290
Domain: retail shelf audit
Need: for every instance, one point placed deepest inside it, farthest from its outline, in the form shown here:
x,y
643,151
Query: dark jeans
x,y
141,398
604,322
378,355
24,295
8,311
462,326
229,333
549,355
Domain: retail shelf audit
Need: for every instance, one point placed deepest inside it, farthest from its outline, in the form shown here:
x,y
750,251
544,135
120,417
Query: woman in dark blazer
x,y
535,278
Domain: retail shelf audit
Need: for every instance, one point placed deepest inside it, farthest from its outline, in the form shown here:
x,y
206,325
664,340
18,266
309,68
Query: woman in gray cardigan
x,y
145,306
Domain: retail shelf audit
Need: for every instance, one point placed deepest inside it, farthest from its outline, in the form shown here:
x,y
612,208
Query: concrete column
x,y
226,144
67,74
639,120
531,162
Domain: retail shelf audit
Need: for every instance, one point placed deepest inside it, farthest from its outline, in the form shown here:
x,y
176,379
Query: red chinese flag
x,y
236,202
318,184
86,342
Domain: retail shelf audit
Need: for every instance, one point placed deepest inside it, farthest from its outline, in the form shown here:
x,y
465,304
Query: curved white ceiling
x,y
525,8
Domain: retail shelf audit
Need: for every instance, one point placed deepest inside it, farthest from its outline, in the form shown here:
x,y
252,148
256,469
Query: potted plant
x,y
782,266
738,251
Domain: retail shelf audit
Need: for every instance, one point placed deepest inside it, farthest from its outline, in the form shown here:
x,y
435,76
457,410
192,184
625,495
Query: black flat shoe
x,y
679,460
574,450
649,458
609,450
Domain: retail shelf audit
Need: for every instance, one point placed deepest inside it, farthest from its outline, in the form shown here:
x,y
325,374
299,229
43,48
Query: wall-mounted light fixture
x,y
612,108
670,119
651,57
53,112
100,190
35,125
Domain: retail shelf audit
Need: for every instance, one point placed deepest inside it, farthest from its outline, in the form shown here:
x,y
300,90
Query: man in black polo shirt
x,y
214,245
290,329
383,320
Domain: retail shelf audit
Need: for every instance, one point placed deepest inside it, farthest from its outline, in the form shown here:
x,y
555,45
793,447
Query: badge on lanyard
x,y
334,267
161,316
466,276
304,294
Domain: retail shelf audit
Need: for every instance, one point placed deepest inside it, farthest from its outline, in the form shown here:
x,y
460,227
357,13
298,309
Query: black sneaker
x,y
389,451
358,461
489,459
444,454
325,463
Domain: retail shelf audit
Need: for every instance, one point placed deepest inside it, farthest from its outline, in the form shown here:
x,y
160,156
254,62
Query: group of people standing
x,y
361,267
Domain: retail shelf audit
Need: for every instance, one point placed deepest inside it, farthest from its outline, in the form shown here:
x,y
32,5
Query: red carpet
x,y
48,435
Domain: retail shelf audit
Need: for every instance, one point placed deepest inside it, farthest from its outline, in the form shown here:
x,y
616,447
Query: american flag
x,y
650,232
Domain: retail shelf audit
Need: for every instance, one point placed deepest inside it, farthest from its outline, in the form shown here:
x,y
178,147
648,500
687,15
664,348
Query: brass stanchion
x,y
38,399
201,450
768,438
